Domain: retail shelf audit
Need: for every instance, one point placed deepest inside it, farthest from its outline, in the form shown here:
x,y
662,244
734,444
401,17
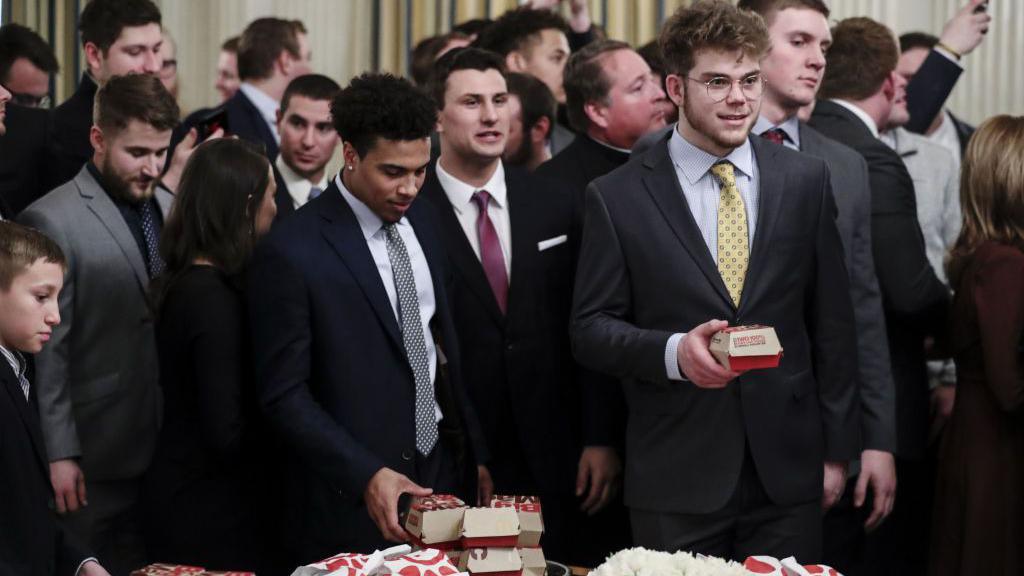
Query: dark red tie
x,y
491,256
775,135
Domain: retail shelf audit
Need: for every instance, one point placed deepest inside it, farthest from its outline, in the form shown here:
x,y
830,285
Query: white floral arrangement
x,y
643,562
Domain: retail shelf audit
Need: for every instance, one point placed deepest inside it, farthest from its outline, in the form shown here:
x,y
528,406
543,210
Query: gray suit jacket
x,y
852,191
850,186
97,378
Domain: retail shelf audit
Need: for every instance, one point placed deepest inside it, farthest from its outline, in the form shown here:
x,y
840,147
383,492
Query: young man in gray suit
x,y
793,69
99,402
712,228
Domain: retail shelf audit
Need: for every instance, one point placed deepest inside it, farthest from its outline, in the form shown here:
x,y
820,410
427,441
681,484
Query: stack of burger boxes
x,y
501,540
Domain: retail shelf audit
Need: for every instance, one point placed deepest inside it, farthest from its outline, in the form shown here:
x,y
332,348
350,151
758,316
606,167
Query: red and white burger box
x,y
396,561
742,348
436,521
490,528
769,566
531,521
492,562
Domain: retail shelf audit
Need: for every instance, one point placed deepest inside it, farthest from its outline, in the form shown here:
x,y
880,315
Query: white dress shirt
x,y
702,192
373,231
460,195
945,135
266,105
298,187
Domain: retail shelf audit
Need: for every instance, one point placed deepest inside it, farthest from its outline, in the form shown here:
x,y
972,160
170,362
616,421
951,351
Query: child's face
x,y
28,309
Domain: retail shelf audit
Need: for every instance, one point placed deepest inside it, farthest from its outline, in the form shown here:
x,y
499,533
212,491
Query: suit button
x,y
407,455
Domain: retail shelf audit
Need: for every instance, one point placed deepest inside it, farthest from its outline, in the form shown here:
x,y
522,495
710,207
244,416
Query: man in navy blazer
x,y
271,53
717,462
352,329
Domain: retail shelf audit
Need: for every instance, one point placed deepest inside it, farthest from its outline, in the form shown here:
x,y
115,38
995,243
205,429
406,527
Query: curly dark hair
x,y
102,20
378,105
516,30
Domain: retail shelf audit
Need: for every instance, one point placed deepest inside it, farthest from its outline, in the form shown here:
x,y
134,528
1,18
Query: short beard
x,y
521,155
119,188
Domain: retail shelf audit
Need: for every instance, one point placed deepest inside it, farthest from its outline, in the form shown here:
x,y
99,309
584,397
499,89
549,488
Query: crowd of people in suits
x,y
243,361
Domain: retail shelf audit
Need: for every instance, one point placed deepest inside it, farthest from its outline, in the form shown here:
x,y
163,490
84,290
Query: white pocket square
x,y
550,242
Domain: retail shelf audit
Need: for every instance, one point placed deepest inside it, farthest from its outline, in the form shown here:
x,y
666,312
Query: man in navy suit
x,y
271,53
357,358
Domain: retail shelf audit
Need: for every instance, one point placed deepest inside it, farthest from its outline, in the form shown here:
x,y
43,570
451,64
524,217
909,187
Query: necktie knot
x,y
723,170
482,199
314,192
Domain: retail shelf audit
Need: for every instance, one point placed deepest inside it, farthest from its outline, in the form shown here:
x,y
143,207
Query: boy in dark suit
x,y
31,541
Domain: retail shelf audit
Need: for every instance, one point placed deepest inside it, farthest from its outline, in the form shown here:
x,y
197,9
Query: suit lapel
x,y
464,260
663,186
521,213
25,411
770,192
100,204
341,230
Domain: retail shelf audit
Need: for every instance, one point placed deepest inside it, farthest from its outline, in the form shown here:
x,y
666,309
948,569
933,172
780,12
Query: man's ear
x,y
93,56
596,114
889,86
96,138
284,62
515,61
675,89
349,155
540,130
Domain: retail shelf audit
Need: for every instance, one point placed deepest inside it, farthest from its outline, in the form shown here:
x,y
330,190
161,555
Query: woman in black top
x,y
206,495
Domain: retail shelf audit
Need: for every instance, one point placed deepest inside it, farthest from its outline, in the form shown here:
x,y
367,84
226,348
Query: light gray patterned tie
x,y
314,192
412,338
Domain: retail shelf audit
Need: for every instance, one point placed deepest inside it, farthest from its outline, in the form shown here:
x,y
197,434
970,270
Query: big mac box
x,y
741,348
435,521
531,523
490,528
492,562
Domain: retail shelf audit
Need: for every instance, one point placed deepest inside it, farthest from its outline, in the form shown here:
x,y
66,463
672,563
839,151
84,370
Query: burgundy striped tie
x,y
491,256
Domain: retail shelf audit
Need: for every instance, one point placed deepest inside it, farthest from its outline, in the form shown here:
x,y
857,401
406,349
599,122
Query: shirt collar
x,y
609,146
262,101
859,113
790,127
369,222
695,162
460,194
16,360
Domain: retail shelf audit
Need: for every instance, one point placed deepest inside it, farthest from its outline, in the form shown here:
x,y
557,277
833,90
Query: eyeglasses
x,y
30,100
719,87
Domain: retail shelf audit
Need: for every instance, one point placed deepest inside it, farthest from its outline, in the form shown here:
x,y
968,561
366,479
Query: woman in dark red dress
x,y
979,504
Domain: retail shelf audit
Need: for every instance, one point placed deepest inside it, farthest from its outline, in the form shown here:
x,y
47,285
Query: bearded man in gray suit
x,y
99,400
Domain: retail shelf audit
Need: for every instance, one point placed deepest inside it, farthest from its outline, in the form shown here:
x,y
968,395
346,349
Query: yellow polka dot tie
x,y
733,252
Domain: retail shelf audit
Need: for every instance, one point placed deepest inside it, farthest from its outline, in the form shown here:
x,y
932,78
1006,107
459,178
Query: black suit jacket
x,y
69,143
575,167
31,541
23,153
333,374
645,273
518,367
928,90
283,200
913,297
244,121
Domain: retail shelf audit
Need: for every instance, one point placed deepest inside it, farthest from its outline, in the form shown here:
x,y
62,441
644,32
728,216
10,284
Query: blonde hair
x,y
991,190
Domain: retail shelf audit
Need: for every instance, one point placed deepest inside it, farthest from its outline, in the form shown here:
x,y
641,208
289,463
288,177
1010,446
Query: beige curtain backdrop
x,y
350,36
